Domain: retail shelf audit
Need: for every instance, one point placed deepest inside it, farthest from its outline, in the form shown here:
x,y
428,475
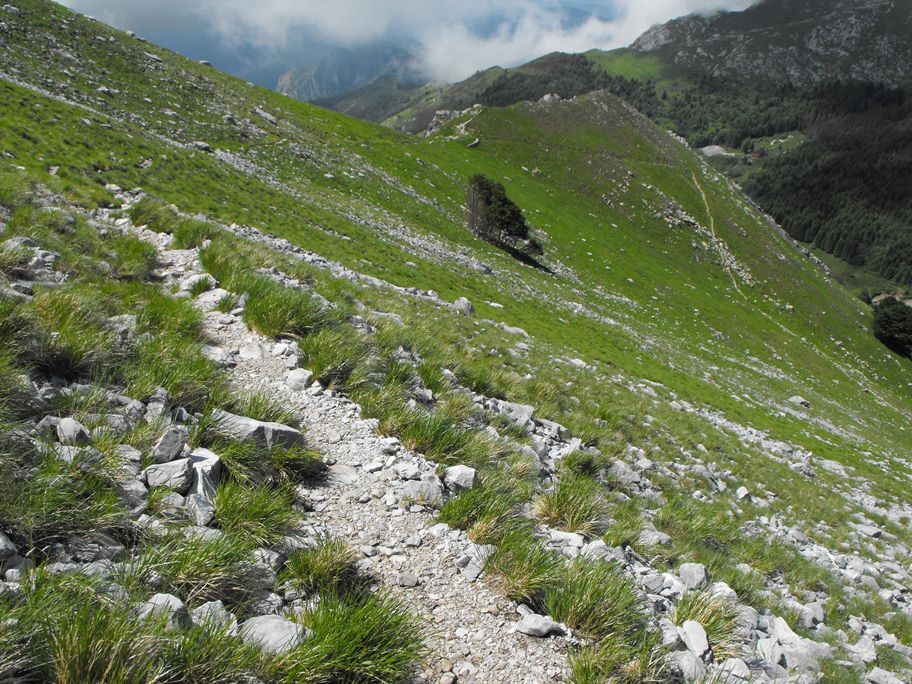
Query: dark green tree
x,y
892,325
495,218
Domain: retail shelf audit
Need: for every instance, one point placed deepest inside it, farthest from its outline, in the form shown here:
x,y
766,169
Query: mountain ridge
x,y
793,42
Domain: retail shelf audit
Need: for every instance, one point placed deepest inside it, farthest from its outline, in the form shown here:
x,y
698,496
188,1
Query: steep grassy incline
x,y
673,320
716,306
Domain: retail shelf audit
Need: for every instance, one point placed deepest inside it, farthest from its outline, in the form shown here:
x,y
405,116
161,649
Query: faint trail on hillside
x,y
712,230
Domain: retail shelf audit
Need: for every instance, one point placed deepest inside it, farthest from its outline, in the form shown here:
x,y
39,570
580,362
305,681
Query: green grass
x,y
717,616
197,571
356,638
576,504
329,567
255,514
635,298
595,599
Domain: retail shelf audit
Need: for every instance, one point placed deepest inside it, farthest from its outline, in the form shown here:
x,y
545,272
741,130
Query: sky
x,y
258,39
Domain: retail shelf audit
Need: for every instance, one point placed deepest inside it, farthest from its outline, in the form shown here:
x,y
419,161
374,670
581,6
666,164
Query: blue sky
x,y
258,39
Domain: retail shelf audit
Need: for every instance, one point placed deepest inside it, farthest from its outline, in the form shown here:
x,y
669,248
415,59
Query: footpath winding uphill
x,y
366,500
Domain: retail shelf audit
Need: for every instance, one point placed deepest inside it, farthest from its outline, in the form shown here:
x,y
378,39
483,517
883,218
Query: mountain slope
x,y
787,41
342,70
660,354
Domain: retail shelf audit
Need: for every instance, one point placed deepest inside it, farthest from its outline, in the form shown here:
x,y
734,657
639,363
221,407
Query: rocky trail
x,y
364,500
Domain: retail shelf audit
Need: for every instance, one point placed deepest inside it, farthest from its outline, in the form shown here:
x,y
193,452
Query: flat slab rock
x,y
264,434
272,633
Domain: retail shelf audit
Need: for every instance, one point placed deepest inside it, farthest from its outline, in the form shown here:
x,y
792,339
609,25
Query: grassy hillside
x,y
672,318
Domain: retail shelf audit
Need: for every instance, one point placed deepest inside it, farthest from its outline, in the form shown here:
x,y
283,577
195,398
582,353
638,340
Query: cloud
x,y
451,43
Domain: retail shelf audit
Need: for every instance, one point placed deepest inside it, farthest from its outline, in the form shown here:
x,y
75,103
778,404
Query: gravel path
x,y
472,636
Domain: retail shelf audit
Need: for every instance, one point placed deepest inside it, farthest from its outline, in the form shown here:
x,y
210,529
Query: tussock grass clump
x,y
133,259
581,463
488,502
176,364
626,524
596,599
576,504
154,215
333,354
14,189
259,515
72,633
698,525
248,463
329,567
260,406
190,234
718,617
201,655
356,638
44,500
520,566
633,661
75,343
276,311
195,570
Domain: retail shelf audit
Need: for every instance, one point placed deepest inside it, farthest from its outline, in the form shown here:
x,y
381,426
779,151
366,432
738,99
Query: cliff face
x,y
792,41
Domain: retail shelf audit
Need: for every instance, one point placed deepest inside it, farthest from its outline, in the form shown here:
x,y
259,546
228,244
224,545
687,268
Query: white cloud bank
x,y
448,47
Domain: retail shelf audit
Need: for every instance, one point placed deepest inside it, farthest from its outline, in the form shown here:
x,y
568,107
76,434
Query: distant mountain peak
x,y
343,70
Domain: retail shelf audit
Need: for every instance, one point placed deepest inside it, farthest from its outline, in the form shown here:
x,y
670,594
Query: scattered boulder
x,y
538,625
458,478
798,400
264,434
207,471
694,637
463,306
214,615
176,475
7,548
171,444
172,608
428,490
693,575
218,356
880,676
298,379
688,666
71,432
